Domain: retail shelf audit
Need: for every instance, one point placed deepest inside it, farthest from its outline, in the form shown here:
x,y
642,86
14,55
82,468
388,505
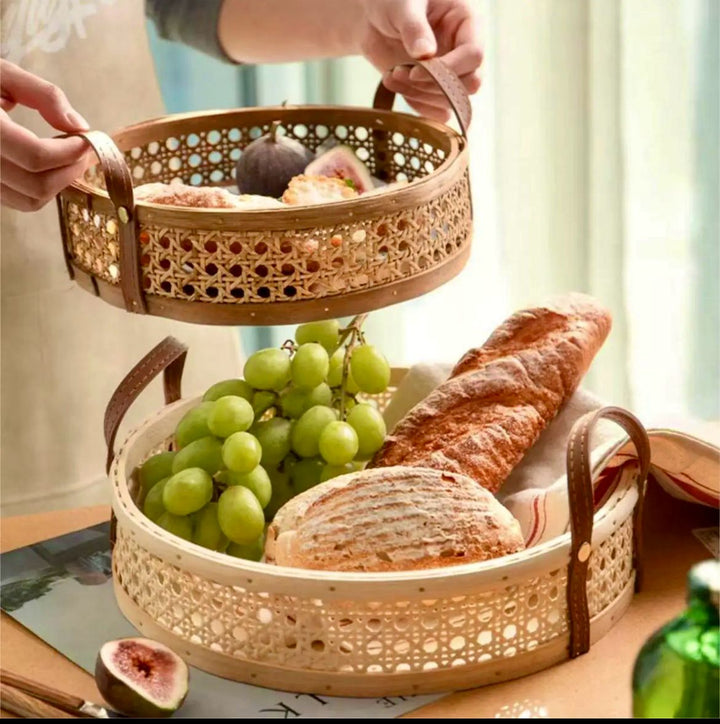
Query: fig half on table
x,y
141,678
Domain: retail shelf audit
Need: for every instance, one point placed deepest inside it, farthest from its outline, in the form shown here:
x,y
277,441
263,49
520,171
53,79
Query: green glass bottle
x,y
676,671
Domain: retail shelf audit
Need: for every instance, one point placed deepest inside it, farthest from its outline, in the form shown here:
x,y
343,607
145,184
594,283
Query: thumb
x,y
26,89
415,32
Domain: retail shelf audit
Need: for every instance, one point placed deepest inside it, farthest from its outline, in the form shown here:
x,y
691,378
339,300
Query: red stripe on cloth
x,y
695,491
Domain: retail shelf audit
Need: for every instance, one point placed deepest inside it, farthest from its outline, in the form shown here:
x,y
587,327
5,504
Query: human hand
x,y
402,30
32,169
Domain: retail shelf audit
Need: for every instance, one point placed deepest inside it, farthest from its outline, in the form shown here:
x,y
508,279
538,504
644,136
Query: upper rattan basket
x,y
274,266
372,634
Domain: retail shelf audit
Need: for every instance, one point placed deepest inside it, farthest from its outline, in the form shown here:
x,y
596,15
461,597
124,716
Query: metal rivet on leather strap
x,y
584,552
123,214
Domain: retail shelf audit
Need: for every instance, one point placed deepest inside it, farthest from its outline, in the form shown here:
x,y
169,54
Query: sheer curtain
x,y
594,166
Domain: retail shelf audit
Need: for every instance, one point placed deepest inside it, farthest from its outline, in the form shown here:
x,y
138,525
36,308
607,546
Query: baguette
x,y
391,519
500,397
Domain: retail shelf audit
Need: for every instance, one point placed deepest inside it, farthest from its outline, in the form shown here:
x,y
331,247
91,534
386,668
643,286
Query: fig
x,y
341,162
141,678
269,162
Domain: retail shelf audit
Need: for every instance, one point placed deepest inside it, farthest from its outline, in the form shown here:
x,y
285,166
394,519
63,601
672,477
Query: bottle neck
x,y
702,611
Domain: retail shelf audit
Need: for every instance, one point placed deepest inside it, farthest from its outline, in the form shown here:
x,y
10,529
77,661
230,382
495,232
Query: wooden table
x,y
594,685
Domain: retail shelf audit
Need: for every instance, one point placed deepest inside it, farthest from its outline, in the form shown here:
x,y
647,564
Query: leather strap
x,y
120,190
168,357
449,83
580,488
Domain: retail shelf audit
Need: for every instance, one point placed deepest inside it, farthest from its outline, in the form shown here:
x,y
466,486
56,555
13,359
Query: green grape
x,y
187,491
370,369
326,332
251,551
179,525
205,453
370,427
236,388
274,438
206,529
262,401
268,369
241,452
240,515
333,471
193,424
155,468
350,402
335,373
306,473
306,432
153,506
293,403
230,414
338,443
309,366
282,491
257,480
320,395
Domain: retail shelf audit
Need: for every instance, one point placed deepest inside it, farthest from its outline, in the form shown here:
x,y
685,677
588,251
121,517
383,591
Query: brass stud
x,y
584,552
123,214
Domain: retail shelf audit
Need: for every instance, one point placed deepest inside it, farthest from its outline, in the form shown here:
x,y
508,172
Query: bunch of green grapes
x,y
295,420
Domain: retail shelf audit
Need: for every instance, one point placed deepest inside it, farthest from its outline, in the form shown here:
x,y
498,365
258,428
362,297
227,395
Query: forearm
x,y
282,31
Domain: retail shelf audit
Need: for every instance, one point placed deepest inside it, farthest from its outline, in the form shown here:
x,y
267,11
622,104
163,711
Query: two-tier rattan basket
x,y
275,266
372,634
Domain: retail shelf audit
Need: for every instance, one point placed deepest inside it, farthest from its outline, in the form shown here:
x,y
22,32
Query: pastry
x,y
499,397
202,197
391,519
305,190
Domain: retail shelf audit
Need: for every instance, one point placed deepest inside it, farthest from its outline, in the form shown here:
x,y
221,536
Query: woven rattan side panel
x,y
365,636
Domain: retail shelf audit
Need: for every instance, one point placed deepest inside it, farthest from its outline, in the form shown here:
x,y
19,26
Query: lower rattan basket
x,y
371,634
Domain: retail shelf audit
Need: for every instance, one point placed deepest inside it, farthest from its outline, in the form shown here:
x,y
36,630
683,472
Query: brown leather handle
x,y
120,190
580,487
168,357
449,83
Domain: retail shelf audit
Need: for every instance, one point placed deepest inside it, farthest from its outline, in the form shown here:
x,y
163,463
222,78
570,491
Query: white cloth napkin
x,y
535,492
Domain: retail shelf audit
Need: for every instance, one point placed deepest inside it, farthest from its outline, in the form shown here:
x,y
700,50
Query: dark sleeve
x,y
192,22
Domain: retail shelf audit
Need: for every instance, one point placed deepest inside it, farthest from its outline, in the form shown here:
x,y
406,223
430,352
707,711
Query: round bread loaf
x,y
391,519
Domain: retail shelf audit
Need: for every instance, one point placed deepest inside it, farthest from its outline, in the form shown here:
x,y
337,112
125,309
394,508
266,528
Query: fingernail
x,y
77,121
423,48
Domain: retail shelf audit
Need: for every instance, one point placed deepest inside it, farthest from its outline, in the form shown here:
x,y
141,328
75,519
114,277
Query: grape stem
x,y
354,332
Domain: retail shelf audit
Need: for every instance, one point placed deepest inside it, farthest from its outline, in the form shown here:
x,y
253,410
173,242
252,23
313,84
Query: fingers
x,y
410,20
464,60
27,151
435,113
40,186
14,200
19,86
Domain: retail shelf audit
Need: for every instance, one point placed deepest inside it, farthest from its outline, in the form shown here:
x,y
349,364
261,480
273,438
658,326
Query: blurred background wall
x,y
595,159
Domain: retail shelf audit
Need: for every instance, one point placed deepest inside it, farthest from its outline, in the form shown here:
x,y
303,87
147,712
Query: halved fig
x,y
141,678
341,162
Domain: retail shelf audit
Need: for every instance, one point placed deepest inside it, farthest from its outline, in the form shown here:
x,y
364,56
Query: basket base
x,y
272,313
328,683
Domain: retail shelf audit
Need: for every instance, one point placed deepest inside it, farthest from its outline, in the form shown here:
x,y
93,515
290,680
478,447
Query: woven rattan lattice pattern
x,y
364,636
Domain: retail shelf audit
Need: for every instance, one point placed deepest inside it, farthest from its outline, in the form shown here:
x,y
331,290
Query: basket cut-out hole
x,y
197,619
192,140
402,623
457,643
300,130
166,286
234,135
236,270
237,293
235,154
213,137
486,615
217,627
178,611
458,662
401,647
362,153
430,646
510,608
212,292
457,620
136,152
553,615
240,634
361,133
402,667
255,132
264,615
290,620
430,622
484,638
287,269
345,648
373,624
194,160
215,157
138,172
510,651
321,131
264,292
402,176
484,657
260,248
429,666
533,600
172,143
341,132
345,624
235,247
374,647
532,625
261,270
290,291
510,631
217,175
188,289
317,645
553,593
399,159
